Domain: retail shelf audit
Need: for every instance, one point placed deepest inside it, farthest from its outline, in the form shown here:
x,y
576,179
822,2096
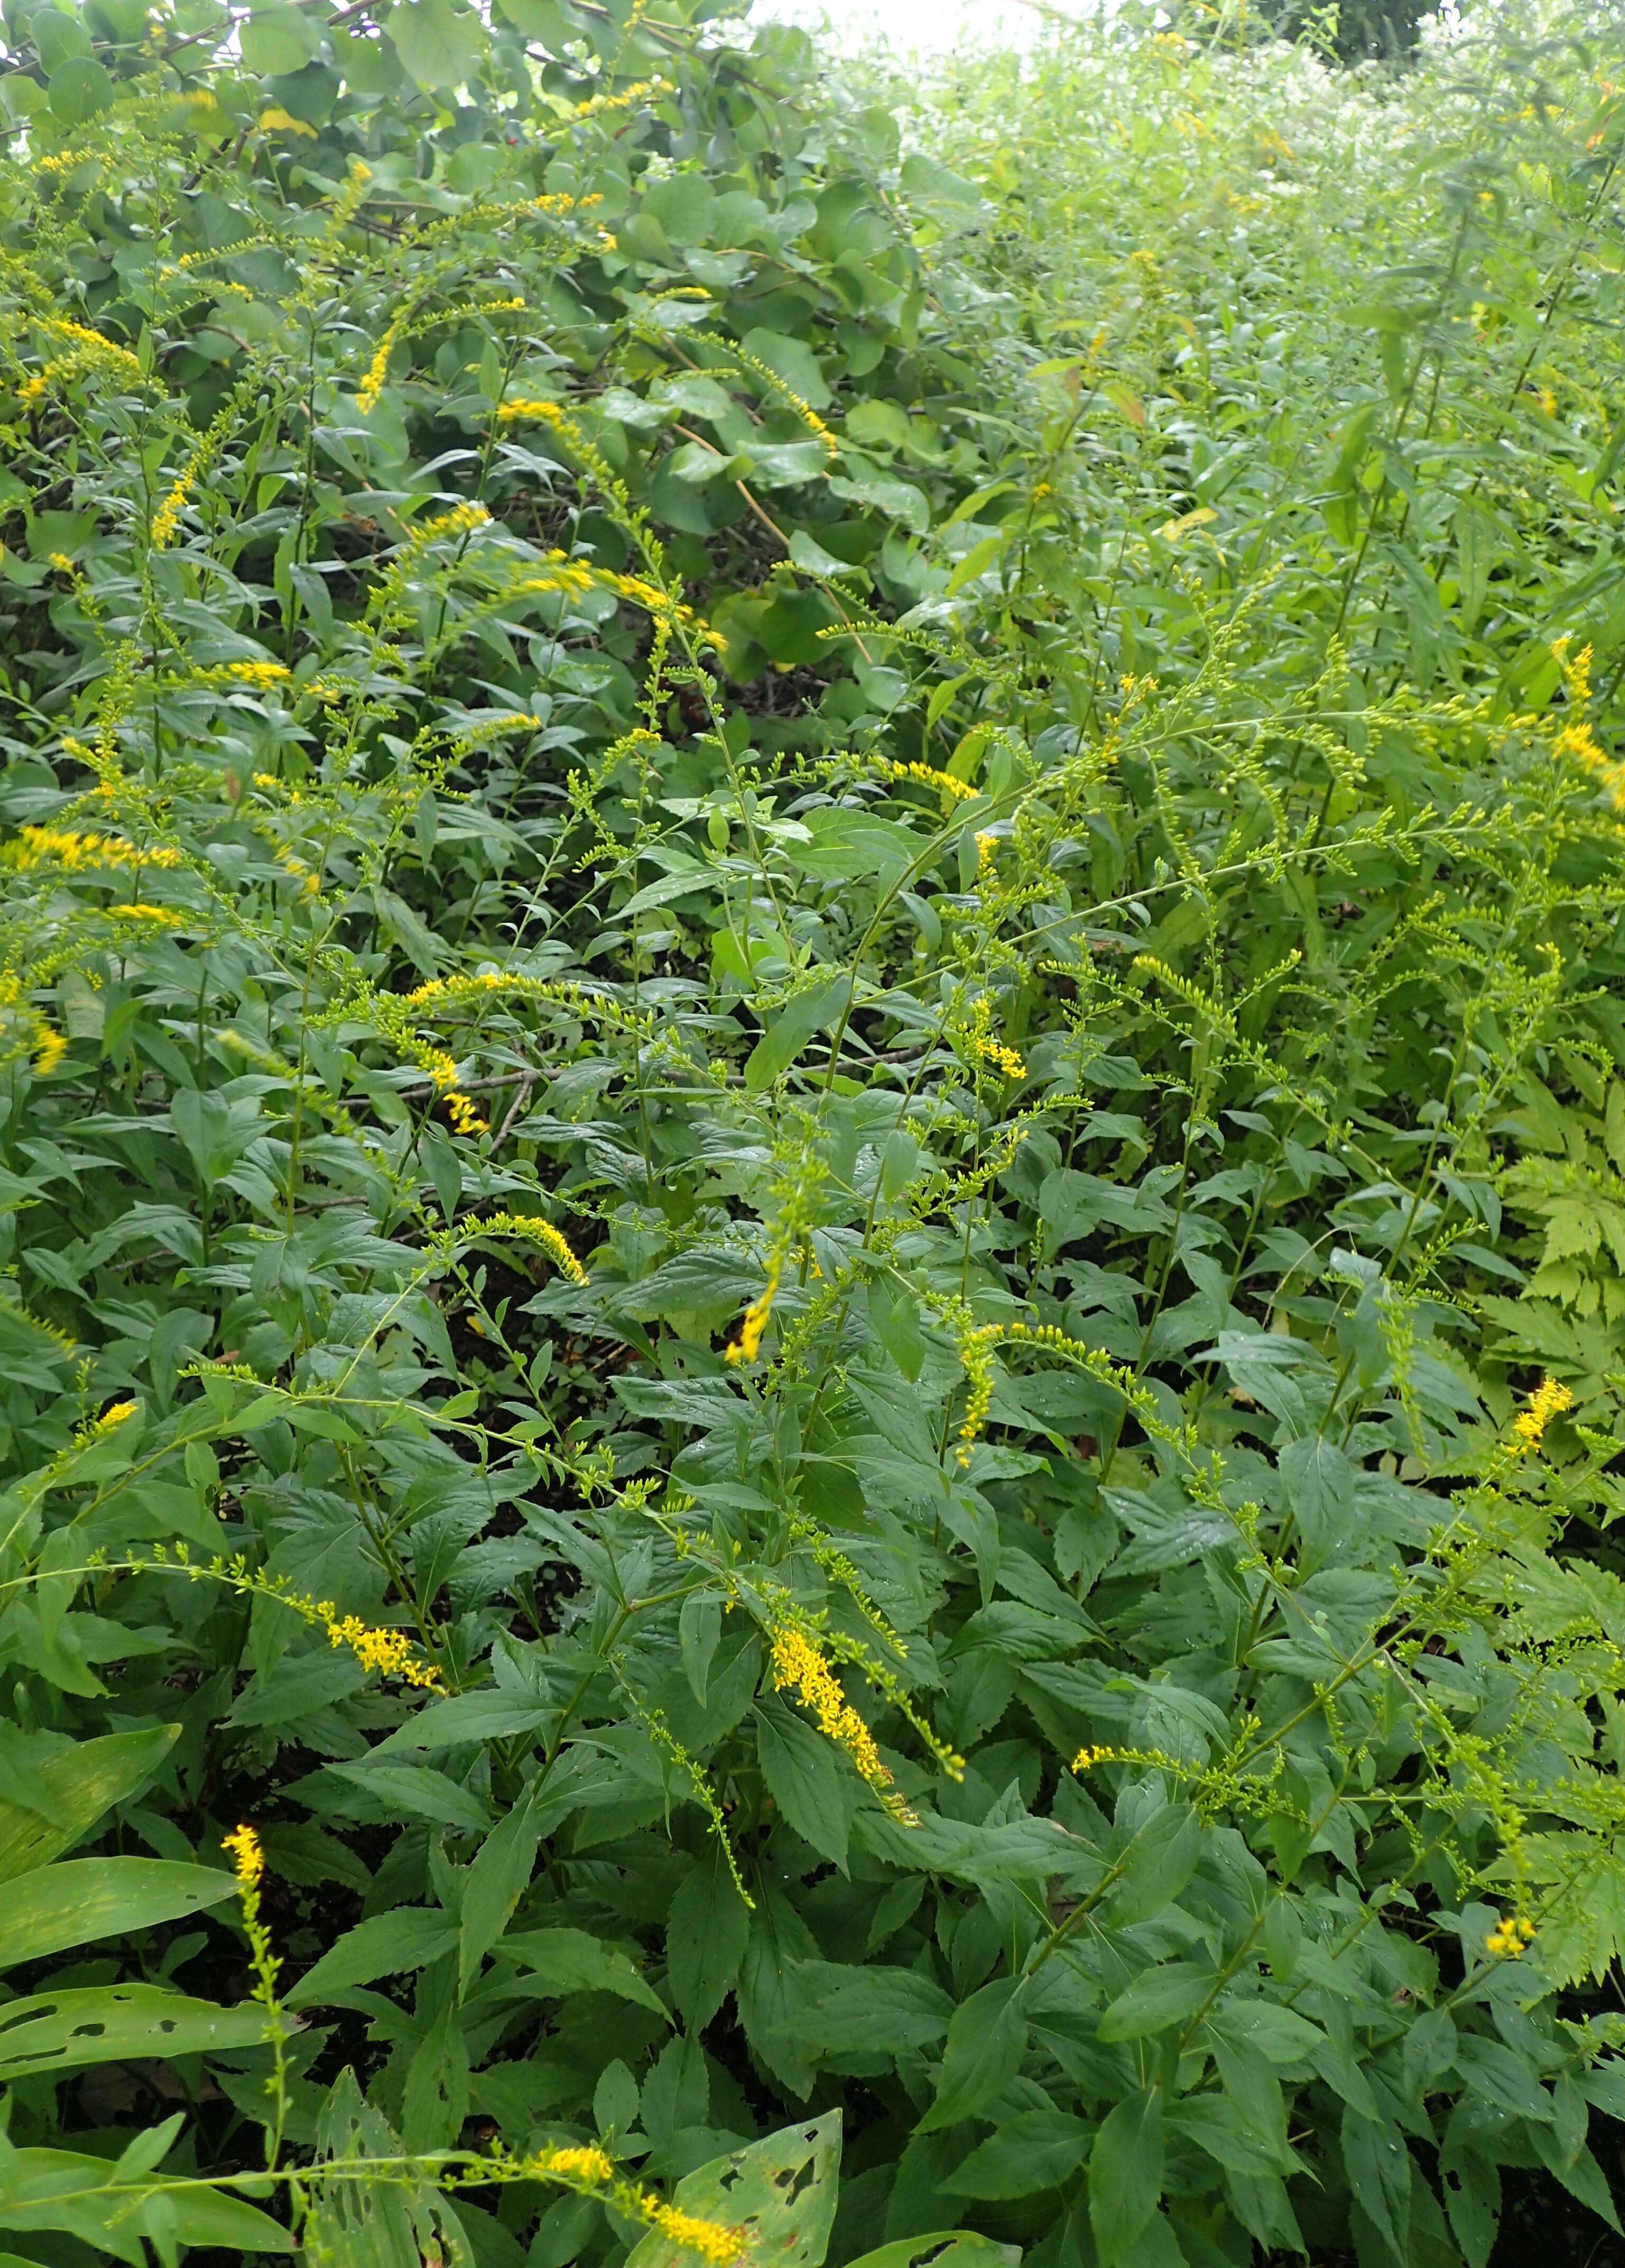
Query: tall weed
x,y
813,1143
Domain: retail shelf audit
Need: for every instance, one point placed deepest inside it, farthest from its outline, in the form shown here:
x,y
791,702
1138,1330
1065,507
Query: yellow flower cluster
x,y
647,596
570,575
247,1859
1576,740
34,847
1549,1400
110,1420
159,916
45,1043
799,1666
373,385
754,1323
976,1346
957,789
596,104
1002,1058
166,519
1510,1938
979,1030
986,852
548,412
461,519
292,863
586,2163
254,673
1086,1758
444,993
464,1114
712,2240
533,1230
87,349
388,1651
501,720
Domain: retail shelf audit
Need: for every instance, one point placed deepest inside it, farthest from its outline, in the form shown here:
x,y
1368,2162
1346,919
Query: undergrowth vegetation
x,y
813,1124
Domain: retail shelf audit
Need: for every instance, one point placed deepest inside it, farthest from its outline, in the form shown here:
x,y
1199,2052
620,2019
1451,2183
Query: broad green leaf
x,y
1161,1997
67,1792
80,90
943,2248
278,39
550,1962
987,2041
1379,2167
1158,1864
1125,2173
854,846
385,1944
1036,2150
440,46
805,1775
498,1879
790,1030
782,2192
82,1899
419,1793
97,2200
705,1935
105,2023
1471,2188
1501,2076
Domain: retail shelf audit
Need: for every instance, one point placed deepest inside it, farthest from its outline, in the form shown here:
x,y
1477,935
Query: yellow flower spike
x,y
530,408
958,791
464,1117
533,1230
754,1323
461,519
976,1346
33,847
373,385
798,1665
247,1859
166,519
156,916
389,1652
586,2163
709,2238
1549,1400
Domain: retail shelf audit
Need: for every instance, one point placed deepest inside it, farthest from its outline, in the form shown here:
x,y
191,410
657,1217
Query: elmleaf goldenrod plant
x,y
812,1127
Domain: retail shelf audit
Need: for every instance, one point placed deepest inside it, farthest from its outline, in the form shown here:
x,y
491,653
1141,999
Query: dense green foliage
x,y
814,1144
